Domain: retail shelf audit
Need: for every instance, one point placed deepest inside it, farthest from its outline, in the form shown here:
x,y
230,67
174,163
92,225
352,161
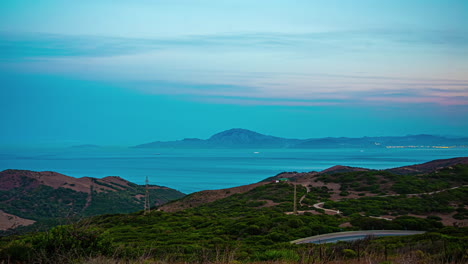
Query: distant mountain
x,y
382,142
232,138
28,196
184,143
243,138
238,137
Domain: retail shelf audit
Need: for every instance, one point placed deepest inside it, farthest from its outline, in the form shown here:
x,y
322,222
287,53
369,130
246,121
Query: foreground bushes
x,y
230,230
80,244
61,243
430,248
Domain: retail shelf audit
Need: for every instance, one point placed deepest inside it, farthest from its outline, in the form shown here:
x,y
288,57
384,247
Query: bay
x,y
191,170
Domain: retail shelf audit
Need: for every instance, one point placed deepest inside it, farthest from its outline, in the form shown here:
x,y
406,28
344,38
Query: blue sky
x,y
128,72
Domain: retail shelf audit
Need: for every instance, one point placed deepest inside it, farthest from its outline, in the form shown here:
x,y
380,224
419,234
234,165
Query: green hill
x,y
49,198
255,224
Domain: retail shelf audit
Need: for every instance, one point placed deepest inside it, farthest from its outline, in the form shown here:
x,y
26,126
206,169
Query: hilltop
x,y
244,138
430,166
48,197
343,182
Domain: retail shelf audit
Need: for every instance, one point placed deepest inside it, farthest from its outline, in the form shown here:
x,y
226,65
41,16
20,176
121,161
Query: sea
x,y
191,170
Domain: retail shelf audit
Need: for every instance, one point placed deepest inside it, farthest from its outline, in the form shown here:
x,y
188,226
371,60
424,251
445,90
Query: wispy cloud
x,y
258,68
22,45
57,45
262,101
315,96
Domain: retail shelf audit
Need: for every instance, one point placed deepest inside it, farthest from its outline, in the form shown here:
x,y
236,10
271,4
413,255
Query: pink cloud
x,y
248,101
421,99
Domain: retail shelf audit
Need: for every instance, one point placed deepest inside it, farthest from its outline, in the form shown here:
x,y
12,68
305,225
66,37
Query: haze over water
x,y
201,169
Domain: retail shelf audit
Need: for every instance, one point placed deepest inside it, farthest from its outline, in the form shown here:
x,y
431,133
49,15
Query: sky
x,y
130,72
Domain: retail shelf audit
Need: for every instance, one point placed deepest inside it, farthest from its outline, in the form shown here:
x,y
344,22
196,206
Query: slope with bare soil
x,y
204,197
47,197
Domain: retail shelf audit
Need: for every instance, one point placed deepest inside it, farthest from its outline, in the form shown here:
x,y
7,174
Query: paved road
x,y
353,235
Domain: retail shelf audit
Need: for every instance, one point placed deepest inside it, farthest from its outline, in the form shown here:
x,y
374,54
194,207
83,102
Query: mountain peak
x,y
235,132
244,138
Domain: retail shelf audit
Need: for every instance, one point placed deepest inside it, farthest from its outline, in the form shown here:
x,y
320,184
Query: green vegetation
x,y
456,175
50,207
358,181
239,227
42,202
316,194
381,182
256,226
401,205
126,201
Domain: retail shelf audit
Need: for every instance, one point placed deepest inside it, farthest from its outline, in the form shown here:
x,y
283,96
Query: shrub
x,y
70,241
349,253
277,255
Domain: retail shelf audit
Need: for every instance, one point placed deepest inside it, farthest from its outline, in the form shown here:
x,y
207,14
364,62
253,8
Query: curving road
x,y
353,235
320,206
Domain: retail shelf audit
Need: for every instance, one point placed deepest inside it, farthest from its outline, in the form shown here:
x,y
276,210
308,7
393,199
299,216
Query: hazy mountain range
x,y
243,138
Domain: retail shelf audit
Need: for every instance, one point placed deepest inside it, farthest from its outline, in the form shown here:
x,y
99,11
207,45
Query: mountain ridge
x,y
244,138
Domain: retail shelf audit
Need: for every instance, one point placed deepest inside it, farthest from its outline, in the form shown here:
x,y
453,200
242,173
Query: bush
x,y
70,241
17,251
277,255
349,253
434,217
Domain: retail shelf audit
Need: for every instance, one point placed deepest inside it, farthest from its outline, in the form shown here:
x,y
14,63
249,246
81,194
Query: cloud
x,y
30,45
315,96
14,45
262,101
324,68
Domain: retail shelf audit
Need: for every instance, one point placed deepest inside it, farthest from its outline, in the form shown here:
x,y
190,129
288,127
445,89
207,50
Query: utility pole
x,y
295,200
147,201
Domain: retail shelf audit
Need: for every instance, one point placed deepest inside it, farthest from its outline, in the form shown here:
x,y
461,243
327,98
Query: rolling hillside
x,y
342,183
49,197
255,223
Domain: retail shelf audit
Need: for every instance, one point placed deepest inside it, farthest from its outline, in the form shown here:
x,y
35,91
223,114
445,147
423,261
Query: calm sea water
x,y
201,169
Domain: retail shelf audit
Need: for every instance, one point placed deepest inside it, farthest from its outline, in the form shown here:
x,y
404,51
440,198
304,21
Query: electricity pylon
x,y
147,201
295,200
